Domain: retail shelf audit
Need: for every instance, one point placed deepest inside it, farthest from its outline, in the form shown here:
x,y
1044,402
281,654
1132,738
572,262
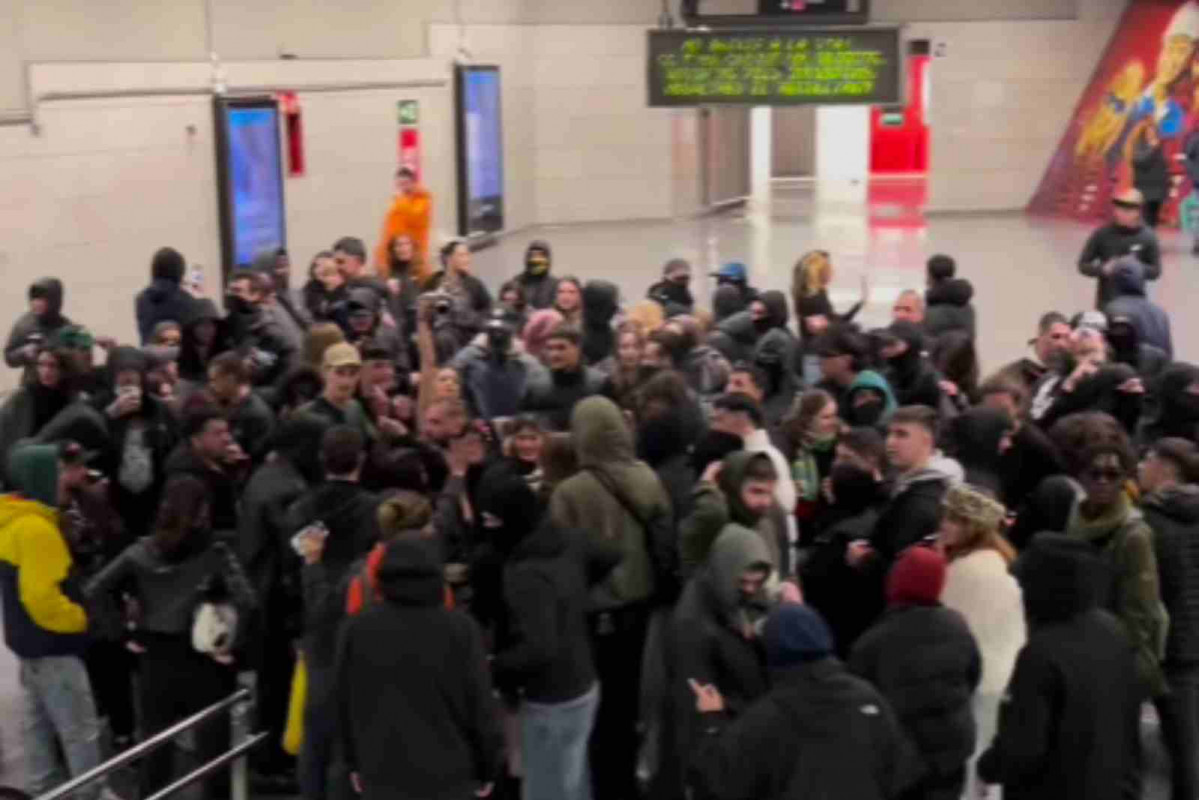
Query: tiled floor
x,y
1020,266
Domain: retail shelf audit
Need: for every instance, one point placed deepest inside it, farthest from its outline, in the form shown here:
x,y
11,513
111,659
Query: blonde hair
x,y
321,337
648,315
813,272
978,536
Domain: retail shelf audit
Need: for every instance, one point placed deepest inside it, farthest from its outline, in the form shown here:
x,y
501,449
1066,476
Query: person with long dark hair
x,y
191,591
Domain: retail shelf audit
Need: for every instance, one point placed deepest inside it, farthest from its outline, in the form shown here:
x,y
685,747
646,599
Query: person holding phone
x,y
1126,234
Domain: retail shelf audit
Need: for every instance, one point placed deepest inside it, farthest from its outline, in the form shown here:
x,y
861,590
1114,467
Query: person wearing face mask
x,y
540,287
542,651
911,375
673,292
1126,235
495,370
1177,412
36,326
978,440
863,396
1153,323
363,322
715,638
1127,347
601,301
853,495
553,396
251,330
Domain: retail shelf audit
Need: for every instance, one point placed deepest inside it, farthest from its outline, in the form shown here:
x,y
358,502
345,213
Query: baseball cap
x,y
342,354
733,270
1129,198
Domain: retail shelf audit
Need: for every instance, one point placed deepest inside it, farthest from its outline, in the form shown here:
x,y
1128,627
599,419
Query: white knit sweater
x,y
980,587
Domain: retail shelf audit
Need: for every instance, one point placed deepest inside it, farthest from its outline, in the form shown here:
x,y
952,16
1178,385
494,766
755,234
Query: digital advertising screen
x,y
250,179
480,150
776,67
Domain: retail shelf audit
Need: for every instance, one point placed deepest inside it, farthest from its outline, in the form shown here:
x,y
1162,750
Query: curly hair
x,y
1082,437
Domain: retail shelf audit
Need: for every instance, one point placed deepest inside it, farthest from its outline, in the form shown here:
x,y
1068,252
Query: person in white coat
x,y
980,587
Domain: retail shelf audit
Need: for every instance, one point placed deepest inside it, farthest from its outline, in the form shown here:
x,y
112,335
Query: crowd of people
x,y
552,545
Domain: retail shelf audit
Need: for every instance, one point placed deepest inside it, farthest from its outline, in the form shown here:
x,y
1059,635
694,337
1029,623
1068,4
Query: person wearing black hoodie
x,y
1069,728
673,292
543,650
274,573
410,671
141,436
977,439
165,298
947,300
362,322
1177,412
540,287
925,661
33,406
911,375
819,732
1127,347
1031,457
203,339
1167,476
601,301
349,515
36,326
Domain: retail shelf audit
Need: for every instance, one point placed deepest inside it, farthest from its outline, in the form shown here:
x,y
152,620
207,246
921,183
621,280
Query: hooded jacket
x,y
912,376
913,514
165,298
1124,544
1097,392
924,660
820,732
707,643
600,304
1177,412
870,414
974,440
948,308
715,509
427,688
32,325
192,365
1069,728
43,609
1173,516
542,647
1129,299
604,445
541,290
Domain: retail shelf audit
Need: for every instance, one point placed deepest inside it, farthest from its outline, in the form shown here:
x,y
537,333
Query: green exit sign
x,y
409,112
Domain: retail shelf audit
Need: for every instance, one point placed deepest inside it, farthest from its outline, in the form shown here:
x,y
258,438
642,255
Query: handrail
x,y
142,748
216,763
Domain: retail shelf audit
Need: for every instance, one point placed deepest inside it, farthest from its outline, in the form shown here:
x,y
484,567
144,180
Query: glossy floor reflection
x,y
1020,266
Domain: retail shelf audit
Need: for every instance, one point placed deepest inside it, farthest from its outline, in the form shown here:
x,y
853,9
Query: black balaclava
x,y
660,437
1125,340
49,289
503,493
676,291
727,301
1179,408
776,312
499,337
907,364
538,259
854,489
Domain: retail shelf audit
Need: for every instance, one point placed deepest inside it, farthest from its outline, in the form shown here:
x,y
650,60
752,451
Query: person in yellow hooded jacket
x,y
45,624
410,215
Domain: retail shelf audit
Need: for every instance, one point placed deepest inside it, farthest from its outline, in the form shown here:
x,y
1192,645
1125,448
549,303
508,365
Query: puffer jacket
x,y
948,308
925,661
1173,515
604,445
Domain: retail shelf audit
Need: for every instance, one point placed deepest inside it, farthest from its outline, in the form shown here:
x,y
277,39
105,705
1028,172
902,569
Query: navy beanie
x,y
795,634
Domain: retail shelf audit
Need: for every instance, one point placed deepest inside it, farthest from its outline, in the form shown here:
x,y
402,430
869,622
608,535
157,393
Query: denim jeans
x,y
58,711
1177,713
554,739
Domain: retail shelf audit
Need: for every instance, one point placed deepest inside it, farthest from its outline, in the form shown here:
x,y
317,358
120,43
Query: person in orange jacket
x,y
410,214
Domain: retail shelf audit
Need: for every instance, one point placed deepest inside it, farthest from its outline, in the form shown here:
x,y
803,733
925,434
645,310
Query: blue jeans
x,y
554,738
58,711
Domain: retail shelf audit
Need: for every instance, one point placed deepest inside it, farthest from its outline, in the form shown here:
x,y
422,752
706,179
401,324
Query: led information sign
x,y
780,67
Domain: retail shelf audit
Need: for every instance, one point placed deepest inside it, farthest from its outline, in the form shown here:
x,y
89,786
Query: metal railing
x,y
239,703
